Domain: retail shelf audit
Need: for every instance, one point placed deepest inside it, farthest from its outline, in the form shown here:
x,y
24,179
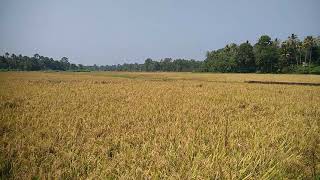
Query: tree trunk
x,y
310,56
299,56
305,57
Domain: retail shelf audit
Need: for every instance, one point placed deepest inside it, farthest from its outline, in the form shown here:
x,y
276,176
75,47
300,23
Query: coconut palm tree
x,y
308,44
293,44
300,47
6,55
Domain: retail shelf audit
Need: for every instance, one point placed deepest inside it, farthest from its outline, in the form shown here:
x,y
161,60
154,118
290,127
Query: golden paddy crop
x,y
158,126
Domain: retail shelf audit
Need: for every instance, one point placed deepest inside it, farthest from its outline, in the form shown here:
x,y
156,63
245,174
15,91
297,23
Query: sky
x,y
127,31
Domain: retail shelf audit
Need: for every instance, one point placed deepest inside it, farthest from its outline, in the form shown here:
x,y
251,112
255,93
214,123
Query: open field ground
x,y
158,125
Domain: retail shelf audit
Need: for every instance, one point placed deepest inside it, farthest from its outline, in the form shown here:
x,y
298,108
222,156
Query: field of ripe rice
x,y
112,125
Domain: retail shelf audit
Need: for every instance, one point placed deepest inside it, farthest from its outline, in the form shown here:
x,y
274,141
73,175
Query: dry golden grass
x,y
157,126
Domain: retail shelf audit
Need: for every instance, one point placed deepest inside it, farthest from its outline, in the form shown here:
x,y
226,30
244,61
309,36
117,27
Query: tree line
x,y
265,56
35,63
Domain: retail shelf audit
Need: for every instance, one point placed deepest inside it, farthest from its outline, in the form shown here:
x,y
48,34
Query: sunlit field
x,y
107,125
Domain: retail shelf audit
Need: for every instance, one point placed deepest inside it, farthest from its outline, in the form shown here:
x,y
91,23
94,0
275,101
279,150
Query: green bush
x,y
313,69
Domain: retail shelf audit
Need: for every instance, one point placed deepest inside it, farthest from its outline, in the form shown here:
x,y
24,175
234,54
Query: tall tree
x,y
65,63
308,44
37,56
245,58
294,46
6,55
148,64
266,54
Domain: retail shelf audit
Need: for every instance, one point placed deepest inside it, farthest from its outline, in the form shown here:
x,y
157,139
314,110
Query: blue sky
x,y
119,31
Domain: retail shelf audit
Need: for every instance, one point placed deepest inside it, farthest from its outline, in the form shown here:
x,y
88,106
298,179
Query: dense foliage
x,y
266,56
